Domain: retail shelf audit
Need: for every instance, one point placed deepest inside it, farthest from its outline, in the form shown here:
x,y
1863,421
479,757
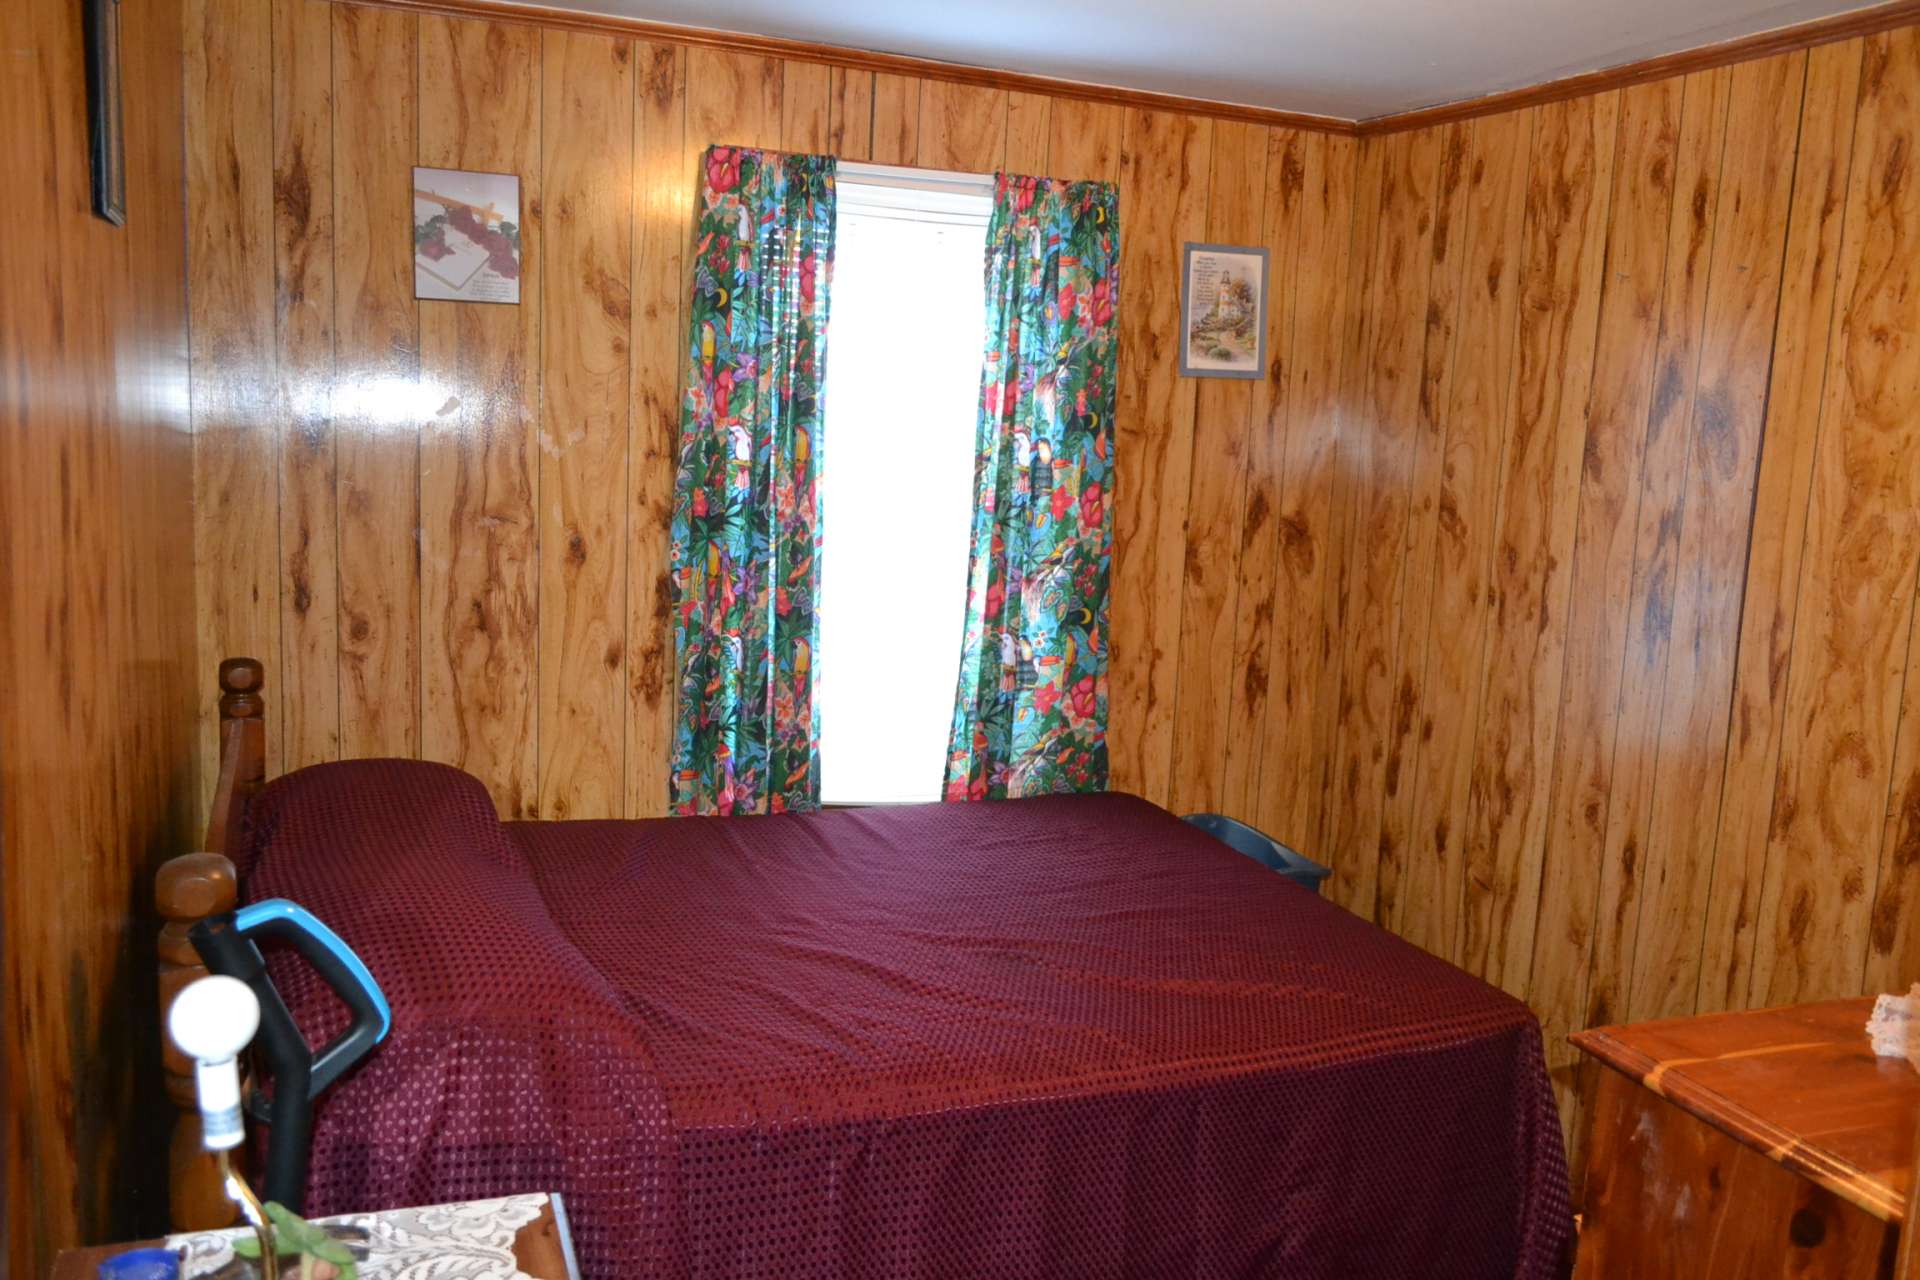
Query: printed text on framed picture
x,y
1223,307
466,236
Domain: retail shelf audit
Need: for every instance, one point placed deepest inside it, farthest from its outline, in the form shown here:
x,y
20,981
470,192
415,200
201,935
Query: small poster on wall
x,y
1223,307
466,236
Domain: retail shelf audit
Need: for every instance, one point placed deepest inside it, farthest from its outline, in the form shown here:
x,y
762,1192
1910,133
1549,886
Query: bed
x,y
1055,1037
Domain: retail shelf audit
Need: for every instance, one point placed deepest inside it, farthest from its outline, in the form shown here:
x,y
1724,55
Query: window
x,y
903,384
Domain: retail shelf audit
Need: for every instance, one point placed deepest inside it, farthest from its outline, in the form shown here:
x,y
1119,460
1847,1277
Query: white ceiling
x,y
1345,58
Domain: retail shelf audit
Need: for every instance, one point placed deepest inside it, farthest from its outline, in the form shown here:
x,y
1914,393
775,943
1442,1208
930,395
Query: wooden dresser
x,y
1766,1143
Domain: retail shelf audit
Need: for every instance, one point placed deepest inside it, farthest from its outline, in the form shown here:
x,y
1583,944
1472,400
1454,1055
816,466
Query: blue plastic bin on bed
x,y
1262,848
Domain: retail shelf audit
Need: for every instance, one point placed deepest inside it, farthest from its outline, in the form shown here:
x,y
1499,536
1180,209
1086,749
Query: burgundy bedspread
x,y
1041,1038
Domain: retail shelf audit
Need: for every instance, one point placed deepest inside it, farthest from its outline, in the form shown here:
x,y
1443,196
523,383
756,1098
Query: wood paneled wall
x,y
1556,584
443,526
1632,439
96,629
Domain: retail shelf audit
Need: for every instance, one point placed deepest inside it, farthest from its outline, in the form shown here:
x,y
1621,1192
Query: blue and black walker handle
x,y
228,943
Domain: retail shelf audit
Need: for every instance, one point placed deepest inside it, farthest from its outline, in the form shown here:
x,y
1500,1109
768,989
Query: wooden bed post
x,y
243,750
188,889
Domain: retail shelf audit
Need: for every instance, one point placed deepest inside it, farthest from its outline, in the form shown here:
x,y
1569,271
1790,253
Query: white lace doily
x,y
1895,1026
469,1241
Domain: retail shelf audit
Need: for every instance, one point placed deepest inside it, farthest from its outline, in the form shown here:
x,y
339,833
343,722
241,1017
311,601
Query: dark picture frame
x,y
105,116
1223,311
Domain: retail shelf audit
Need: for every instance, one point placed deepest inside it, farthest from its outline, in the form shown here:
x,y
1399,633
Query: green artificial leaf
x,y
295,1233
295,1236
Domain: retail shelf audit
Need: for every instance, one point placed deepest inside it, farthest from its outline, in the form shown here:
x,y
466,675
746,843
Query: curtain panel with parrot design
x,y
1031,712
745,555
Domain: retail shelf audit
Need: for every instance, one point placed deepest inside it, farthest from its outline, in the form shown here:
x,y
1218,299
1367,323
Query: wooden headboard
x,y
187,889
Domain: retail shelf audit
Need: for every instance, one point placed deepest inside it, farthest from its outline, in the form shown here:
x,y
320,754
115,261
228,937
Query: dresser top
x,y
473,1239
1799,1084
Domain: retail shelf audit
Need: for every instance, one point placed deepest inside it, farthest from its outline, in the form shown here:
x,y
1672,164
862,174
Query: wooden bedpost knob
x,y
240,682
195,886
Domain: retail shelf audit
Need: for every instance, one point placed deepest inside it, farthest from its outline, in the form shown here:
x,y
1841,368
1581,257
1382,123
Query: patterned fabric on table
x,y
468,1241
746,519
1030,715
1043,1039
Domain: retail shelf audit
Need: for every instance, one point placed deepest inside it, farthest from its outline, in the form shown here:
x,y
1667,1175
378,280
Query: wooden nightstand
x,y
1766,1143
541,1248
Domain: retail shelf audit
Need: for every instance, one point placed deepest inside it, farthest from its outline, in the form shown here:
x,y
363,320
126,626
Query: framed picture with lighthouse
x,y
1223,310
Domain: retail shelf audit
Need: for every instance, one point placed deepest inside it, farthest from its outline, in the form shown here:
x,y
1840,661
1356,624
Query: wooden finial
x,y
241,680
243,749
194,886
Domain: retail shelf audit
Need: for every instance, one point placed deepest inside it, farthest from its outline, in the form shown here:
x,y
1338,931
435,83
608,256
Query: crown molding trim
x,y
1804,35
858,60
1764,44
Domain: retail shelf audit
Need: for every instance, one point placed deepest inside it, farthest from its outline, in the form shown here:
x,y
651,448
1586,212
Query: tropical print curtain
x,y
746,521
1031,713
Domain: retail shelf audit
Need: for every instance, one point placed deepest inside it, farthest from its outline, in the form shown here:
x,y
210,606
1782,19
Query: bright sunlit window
x,y
903,383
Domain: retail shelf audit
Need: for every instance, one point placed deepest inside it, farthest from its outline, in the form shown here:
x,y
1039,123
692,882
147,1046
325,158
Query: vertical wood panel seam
x,y
1834,312
1464,240
333,372
1046,161
1356,338
277,660
1357,322
1396,621
1497,515
1278,400
626,475
1282,403
419,487
1753,487
1553,759
1740,639
1360,542
1505,437
1230,606
680,112
333,417
1629,961
1893,780
1193,438
1605,222
536,481
1350,488
1579,496
919,117
1582,1010
200,732
199,757
1813,480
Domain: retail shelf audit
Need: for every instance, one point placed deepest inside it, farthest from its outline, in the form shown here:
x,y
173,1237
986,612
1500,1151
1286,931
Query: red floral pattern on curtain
x,y
1031,712
745,550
